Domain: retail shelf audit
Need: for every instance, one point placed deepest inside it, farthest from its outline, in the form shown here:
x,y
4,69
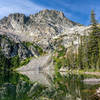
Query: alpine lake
x,y
32,85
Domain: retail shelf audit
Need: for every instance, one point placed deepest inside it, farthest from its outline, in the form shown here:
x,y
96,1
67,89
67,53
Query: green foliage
x,y
15,61
4,62
80,54
93,20
59,57
27,44
89,49
39,49
25,61
11,63
87,55
36,47
93,43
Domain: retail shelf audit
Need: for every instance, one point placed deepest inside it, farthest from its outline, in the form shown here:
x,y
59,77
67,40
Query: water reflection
x,y
14,86
41,77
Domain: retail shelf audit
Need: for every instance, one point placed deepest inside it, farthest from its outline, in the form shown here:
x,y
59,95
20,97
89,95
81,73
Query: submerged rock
x,y
98,92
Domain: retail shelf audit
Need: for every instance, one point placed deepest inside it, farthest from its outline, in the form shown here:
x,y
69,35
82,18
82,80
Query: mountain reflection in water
x,y
46,86
37,76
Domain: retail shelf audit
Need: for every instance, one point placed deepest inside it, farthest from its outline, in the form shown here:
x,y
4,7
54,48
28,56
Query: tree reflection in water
x,y
14,86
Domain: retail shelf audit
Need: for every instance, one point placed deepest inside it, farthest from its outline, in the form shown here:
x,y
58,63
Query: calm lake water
x,y
46,86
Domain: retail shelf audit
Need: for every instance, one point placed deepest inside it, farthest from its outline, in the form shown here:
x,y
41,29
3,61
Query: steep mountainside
x,y
44,28
11,46
41,28
50,19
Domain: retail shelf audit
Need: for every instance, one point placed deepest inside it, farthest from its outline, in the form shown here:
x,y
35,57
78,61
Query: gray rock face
x,y
40,28
46,19
10,48
44,28
10,21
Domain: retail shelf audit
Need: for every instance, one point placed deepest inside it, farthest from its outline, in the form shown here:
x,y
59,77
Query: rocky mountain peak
x,y
45,17
52,17
17,17
51,13
41,27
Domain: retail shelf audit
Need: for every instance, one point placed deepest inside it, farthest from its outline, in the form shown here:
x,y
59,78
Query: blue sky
x,y
76,10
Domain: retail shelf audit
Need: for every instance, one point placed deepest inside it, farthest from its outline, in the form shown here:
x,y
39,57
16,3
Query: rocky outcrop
x,y
38,64
41,27
47,28
71,36
49,20
12,47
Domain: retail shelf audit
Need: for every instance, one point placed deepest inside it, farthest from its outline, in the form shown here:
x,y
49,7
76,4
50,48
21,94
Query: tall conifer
x,y
93,49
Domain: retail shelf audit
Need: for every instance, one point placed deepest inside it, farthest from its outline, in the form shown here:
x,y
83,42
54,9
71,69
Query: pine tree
x,y
80,54
98,62
93,49
93,20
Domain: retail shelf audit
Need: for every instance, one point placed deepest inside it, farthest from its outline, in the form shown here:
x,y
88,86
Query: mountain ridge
x,y
44,13
41,27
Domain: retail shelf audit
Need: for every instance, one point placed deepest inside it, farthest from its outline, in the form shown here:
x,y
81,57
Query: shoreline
x,y
87,72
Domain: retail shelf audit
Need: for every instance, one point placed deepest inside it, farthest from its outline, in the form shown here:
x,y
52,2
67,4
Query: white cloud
x,y
22,6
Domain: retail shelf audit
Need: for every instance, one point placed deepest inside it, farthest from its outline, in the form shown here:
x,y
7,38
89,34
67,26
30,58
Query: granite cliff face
x,y
45,21
11,48
43,28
